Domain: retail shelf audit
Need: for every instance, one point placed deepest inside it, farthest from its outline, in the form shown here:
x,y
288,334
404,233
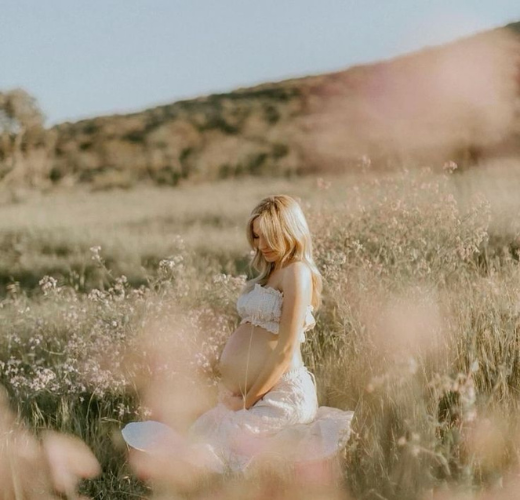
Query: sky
x,y
84,58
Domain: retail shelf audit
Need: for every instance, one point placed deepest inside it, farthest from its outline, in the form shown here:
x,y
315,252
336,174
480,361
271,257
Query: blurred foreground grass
x,y
418,333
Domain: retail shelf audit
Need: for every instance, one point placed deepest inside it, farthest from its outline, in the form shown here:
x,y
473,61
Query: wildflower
x,y
168,265
96,295
48,284
450,167
96,257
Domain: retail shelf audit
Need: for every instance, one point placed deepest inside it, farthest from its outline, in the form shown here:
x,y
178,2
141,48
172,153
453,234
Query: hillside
x,y
458,102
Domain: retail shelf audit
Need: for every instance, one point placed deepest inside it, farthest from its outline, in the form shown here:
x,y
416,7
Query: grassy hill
x,y
454,102
242,132
514,27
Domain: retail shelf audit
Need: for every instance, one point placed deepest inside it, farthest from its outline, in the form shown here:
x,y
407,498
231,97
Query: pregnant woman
x,y
268,404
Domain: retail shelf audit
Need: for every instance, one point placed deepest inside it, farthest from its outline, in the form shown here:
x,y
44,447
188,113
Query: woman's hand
x,y
233,402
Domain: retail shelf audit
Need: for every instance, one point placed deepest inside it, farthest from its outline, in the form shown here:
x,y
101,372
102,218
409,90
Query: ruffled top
x,y
262,306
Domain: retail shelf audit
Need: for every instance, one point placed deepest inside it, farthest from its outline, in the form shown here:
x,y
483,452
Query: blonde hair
x,y
285,228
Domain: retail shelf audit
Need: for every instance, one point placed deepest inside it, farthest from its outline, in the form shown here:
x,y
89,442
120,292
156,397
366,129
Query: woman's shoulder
x,y
296,272
297,267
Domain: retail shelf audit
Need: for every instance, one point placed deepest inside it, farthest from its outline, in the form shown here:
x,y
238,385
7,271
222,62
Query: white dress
x,y
286,424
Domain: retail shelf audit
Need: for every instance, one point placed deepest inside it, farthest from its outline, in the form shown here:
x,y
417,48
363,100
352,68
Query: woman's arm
x,y
297,291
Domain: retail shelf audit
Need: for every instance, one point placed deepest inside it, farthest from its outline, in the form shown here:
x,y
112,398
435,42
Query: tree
x,y
20,117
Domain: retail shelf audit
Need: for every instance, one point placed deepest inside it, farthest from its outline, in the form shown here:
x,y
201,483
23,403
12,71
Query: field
x,y
114,304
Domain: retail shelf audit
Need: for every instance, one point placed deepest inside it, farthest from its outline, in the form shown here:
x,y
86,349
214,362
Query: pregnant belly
x,y
244,356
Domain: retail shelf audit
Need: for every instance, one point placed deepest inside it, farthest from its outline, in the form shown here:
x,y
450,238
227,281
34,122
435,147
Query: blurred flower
x,y
322,184
31,470
70,460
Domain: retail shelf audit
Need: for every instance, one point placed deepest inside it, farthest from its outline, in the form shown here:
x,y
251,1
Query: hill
x,y
455,102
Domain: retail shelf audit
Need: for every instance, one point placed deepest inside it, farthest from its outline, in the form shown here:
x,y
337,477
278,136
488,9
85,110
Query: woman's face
x,y
260,242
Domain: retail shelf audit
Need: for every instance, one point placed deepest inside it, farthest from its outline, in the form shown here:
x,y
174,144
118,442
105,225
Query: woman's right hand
x,y
233,402
230,399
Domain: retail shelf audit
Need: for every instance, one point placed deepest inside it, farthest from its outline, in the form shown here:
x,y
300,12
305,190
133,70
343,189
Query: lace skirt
x,y
286,425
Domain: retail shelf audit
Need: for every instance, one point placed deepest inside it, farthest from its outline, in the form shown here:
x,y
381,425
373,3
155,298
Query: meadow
x,y
115,305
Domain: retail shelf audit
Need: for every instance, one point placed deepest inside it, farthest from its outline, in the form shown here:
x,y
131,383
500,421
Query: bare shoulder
x,y
297,275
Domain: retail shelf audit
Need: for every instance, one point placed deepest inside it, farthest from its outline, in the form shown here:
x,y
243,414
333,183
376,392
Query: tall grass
x,y
418,332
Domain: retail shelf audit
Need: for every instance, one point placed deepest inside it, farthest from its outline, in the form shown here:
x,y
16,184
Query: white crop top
x,y
262,306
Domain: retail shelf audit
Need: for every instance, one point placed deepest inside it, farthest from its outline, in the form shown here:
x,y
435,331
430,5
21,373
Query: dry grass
x,y
418,332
